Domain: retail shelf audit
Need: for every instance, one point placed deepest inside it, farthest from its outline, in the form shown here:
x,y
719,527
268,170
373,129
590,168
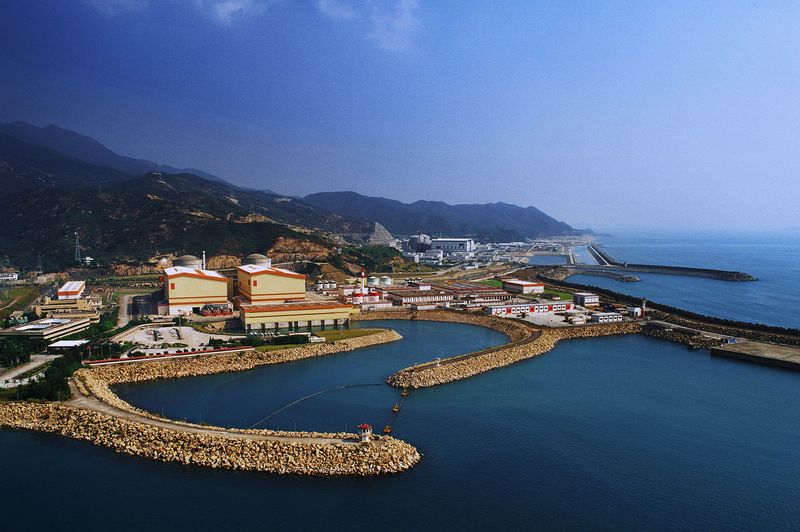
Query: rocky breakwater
x,y
692,339
380,456
462,367
98,415
516,330
229,362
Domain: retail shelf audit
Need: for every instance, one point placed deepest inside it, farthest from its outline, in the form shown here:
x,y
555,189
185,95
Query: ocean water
x,y
615,433
773,258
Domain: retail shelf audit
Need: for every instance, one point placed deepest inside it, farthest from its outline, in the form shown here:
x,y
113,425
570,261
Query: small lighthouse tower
x,y
366,432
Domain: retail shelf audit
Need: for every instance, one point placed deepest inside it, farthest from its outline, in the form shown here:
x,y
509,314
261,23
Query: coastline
x,y
98,415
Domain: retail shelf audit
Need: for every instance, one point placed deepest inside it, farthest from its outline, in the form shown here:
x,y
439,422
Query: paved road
x,y
91,403
6,379
667,325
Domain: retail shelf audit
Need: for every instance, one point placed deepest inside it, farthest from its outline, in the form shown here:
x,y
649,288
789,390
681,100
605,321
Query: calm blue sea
x,y
773,258
620,433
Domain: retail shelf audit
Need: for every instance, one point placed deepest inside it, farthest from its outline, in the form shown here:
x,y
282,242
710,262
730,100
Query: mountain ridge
x,y
497,221
90,150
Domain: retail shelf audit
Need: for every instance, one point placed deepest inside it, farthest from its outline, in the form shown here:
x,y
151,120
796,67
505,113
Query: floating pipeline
x,y
97,382
151,436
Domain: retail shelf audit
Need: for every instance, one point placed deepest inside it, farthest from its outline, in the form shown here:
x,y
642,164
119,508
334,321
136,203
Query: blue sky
x,y
603,114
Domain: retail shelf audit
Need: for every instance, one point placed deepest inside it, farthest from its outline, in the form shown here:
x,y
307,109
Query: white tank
x,y
385,281
372,281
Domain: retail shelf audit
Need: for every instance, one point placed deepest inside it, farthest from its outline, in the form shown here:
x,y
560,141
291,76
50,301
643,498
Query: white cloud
x,y
116,7
393,23
394,28
226,11
336,9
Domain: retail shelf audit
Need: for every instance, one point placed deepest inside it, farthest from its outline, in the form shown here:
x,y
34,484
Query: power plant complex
x,y
267,298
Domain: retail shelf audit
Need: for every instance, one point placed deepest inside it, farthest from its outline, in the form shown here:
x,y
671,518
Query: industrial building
x,y
407,297
586,299
518,286
260,283
606,317
528,308
48,306
271,298
473,292
187,290
293,316
71,290
6,277
453,245
48,328
432,257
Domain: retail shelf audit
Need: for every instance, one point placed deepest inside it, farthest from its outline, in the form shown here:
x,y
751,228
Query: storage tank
x,y
188,261
385,281
258,259
372,280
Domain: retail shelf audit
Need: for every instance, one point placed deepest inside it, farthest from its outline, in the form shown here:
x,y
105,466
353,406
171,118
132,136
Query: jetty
x,y
606,265
784,356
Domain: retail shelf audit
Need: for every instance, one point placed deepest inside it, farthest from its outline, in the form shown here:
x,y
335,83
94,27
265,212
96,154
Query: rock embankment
x,y
514,329
97,382
462,367
239,361
694,340
381,456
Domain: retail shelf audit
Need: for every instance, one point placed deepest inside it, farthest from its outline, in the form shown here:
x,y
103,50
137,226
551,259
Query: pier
x,y
606,264
783,356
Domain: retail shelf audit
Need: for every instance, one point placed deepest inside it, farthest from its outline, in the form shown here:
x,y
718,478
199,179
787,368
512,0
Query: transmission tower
x,y
77,248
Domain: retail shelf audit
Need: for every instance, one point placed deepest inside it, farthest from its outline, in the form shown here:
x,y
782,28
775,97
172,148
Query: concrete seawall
x,y
98,415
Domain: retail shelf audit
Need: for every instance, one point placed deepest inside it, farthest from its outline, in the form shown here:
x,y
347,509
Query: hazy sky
x,y
601,114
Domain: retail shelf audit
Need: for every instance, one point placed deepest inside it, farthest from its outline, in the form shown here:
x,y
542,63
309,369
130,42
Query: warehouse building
x,y
48,328
522,287
71,290
407,297
473,292
528,308
187,290
606,317
294,316
586,299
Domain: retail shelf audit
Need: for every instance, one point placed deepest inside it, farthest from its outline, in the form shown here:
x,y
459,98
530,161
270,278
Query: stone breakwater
x,y
693,340
380,456
462,367
97,382
515,330
98,415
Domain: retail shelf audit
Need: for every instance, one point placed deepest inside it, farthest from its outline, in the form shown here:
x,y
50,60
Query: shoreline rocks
x,y
526,342
150,436
383,455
